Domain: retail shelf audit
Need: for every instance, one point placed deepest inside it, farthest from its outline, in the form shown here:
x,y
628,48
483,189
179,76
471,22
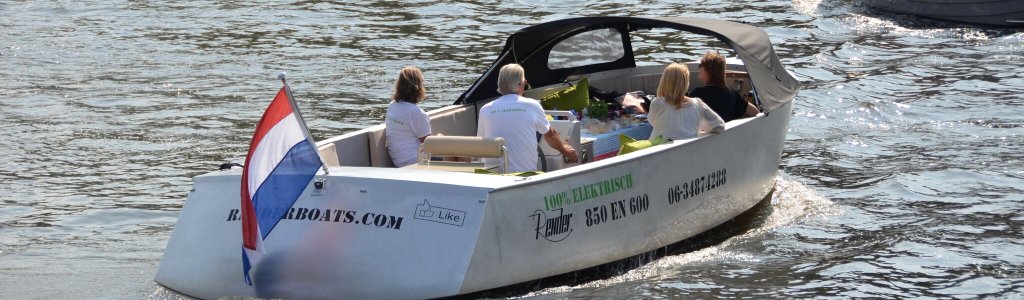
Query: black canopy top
x,y
530,47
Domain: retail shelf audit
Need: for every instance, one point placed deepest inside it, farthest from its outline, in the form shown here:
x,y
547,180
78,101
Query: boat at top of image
x,y
1002,13
365,229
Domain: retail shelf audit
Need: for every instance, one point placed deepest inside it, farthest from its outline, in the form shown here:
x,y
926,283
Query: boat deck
x,y
367,147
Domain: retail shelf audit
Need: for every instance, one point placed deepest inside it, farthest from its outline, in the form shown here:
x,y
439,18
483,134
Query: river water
x,y
902,174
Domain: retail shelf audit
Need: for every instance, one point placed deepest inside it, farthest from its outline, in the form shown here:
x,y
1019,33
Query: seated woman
x,y
676,116
723,100
406,125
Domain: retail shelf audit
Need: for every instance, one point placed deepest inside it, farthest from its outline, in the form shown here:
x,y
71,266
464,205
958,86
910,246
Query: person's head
x,y
511,79
712,69
409,86
675,81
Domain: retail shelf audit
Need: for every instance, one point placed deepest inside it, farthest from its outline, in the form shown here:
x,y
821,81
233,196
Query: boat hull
x,y
1006,13
634,204
396,233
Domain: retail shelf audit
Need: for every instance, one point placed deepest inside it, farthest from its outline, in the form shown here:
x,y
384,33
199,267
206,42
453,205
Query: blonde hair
x,y
675,81
509,78
409,86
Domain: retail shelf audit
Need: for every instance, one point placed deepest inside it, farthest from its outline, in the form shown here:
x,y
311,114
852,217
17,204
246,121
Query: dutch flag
x,y
281,162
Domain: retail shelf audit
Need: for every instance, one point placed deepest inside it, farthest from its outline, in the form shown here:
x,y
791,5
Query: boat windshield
x,y
587,48
659,46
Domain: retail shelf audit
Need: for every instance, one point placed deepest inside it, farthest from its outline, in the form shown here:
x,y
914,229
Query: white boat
x,y
1003,13
369,230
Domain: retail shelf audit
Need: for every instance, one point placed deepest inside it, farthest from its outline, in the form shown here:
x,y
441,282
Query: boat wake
x,y
791,202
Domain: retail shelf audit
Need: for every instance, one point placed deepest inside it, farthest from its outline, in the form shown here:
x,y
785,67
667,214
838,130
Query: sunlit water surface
x,y
902,174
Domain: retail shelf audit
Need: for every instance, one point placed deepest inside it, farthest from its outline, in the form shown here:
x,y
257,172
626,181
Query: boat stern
x,y
367,233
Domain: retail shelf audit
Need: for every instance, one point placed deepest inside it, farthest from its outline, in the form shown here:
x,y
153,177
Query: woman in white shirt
x,y
675,116
406,124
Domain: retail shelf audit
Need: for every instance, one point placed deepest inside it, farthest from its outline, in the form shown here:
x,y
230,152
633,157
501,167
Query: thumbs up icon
x,y
423,210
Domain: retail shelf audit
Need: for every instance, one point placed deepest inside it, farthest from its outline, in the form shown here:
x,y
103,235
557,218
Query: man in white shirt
x,y
517,119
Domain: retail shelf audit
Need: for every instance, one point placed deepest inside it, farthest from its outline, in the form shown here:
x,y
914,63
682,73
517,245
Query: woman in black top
x,y
723,100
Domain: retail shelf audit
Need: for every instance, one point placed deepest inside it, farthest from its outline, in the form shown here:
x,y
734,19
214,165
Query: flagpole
x,y
295,107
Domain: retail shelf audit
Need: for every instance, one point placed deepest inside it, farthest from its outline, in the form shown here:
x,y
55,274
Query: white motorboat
x,y
369,230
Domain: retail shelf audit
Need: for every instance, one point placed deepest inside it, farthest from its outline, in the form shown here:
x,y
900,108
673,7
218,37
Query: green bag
x,y
631,145
574,97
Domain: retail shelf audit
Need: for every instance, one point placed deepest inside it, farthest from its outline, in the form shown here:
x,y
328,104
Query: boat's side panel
x,y
635,203
358,238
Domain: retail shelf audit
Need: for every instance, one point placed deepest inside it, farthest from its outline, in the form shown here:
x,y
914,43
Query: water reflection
x,y
902,171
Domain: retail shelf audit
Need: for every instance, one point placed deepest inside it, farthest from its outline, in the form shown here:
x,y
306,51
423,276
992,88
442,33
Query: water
x,y
902,174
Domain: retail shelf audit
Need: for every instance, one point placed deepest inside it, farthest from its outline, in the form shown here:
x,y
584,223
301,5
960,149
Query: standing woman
x,y
675,116
406,124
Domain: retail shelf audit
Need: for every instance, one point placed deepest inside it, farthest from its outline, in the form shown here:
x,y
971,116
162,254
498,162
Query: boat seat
x,y
330,154
648,83
379,156
469,146
348,150
455,122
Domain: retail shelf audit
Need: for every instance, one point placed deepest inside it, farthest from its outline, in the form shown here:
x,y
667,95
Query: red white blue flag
x,y
282,160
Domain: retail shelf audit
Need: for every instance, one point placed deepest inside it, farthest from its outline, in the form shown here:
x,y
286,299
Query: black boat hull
x,y
1003,13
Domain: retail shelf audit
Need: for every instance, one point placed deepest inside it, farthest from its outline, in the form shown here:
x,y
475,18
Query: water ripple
x,y
902,172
